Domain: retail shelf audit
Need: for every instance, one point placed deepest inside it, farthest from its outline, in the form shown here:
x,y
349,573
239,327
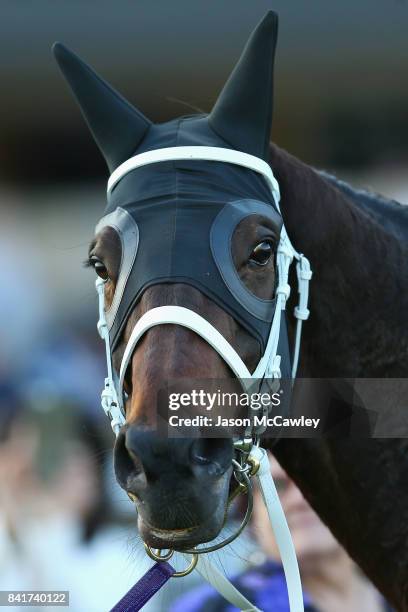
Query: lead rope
x,y
280,528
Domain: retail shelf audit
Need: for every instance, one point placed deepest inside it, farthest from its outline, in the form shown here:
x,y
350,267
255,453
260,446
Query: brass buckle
x,y
254,463
157,555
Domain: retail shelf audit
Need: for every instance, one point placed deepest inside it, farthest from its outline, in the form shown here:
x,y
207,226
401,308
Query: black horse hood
x,y
184,212
171,214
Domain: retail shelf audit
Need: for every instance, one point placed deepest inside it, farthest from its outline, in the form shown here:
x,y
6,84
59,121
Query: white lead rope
x,y
220,583
280,529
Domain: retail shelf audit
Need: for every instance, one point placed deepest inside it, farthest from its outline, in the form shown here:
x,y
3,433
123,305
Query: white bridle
x,y
268,366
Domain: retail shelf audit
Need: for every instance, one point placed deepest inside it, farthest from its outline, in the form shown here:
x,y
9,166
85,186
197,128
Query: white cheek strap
x,y
109,395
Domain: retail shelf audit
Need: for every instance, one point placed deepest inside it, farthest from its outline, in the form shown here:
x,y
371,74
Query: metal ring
x,y
189,569
240,468
245,521
156,556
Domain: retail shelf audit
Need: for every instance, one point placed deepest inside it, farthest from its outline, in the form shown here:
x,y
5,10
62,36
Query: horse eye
x,y
261,253
99,267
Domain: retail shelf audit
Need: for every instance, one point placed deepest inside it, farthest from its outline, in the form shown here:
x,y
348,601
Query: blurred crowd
x,y
64,526
64,522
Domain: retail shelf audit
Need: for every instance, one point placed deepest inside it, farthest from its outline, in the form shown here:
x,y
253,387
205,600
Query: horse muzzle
x,y
180,486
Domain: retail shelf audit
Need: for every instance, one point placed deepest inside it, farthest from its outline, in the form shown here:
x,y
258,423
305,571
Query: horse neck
x,y
358,304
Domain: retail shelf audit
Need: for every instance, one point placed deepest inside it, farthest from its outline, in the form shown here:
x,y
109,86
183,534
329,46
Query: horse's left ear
x,y
242,114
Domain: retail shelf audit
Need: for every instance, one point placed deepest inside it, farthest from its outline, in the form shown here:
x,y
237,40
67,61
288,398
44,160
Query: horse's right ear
x,y
116,125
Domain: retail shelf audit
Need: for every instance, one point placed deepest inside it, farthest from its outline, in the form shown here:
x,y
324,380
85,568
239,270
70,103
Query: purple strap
x,y
145,588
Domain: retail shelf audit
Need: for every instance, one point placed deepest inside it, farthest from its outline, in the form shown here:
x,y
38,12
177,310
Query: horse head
x,y
200,234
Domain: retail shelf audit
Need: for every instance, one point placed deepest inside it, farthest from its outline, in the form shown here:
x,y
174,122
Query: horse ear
x,y
115,124
242,114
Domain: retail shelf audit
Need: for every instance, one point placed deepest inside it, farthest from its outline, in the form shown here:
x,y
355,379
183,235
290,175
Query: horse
x,y
357,246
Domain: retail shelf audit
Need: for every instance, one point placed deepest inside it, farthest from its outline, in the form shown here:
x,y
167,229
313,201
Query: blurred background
x,y
341,104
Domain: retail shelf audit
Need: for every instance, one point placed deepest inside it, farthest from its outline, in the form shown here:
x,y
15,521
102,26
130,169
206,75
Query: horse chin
x,y
184,538
180,539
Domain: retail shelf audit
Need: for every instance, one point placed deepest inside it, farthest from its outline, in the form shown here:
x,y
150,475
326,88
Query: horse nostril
x,y
214,454
125,463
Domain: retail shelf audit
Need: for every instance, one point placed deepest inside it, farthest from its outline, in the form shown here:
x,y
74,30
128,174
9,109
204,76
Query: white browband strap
x,y
268,366
216,154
